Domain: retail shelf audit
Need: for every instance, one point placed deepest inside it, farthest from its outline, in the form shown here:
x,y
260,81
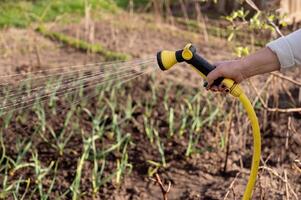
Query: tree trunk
x,y
169,12
201,20
158,8
131,7
221,6
184,9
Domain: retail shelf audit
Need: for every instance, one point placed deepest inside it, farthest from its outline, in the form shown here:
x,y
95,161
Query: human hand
x,y
232,69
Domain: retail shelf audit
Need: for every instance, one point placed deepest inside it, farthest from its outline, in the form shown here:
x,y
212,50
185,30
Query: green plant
x,y
60,139
3,149
123,164
23,148
160,147
8,187
16,192
75,187
171,122
148,127
184,121
40,112
97,174
129,109
40,173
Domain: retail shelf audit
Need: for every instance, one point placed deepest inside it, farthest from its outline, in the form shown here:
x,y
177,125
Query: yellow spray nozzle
x,y
167,59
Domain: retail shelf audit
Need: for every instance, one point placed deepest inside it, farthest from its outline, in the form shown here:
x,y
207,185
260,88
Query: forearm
x,y
279,54
263,61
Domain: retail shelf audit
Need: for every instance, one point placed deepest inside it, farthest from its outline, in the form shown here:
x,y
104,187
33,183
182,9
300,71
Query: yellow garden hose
x,y
167,59
256,145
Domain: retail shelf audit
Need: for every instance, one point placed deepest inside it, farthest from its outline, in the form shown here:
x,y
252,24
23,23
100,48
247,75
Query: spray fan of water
x,y
20,91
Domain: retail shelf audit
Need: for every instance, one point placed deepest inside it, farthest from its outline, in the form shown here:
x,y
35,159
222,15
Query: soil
x,y
200,176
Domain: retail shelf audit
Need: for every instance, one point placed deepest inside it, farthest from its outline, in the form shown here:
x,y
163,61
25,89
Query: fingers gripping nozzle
x,y
167,59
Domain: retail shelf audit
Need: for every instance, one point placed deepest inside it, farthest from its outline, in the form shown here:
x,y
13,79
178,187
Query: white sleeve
x,y
288,49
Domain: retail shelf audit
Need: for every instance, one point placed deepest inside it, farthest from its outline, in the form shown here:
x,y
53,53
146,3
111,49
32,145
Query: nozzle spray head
x,y
167,59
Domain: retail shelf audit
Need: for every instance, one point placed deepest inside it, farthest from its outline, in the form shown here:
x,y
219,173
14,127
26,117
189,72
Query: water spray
x,y
167,59
23,90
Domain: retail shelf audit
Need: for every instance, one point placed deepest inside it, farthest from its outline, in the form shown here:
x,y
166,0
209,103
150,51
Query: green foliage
x,y
22,13
255,26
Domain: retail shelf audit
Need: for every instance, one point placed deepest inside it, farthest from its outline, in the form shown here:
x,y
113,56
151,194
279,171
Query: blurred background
x,y
66,135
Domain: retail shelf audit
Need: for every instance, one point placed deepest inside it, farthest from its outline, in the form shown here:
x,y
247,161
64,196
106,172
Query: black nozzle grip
x,y
218,81
204,67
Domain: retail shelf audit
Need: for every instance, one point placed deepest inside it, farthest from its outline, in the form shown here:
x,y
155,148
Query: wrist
x,y
245,67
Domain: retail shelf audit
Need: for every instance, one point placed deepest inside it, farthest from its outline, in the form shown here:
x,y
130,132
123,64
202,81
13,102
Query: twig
x,y
231,187
295,166
261,189
262,89
291,127
265,106
169,12
163,189
280,178
200,18
286,90
282,110
286,78
286,186
184,10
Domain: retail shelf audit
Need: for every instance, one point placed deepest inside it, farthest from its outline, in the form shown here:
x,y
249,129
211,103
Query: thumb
x,y
213,75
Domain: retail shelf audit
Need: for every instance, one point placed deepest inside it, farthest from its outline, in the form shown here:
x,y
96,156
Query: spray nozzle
x,y
167,59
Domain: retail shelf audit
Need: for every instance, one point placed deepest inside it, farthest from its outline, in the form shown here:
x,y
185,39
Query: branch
x,y
163,189
286,78
265,106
